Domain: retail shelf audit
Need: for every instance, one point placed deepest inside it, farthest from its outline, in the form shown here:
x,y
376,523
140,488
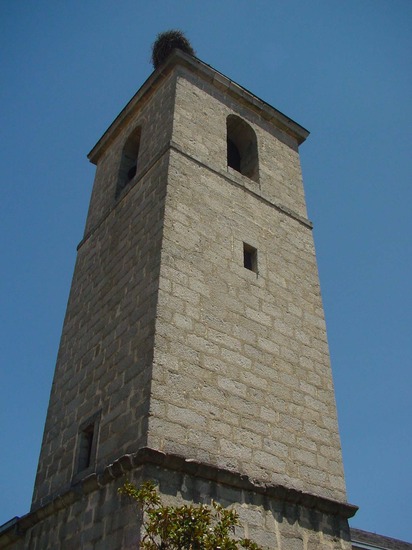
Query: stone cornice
x,y
208,74
16,528
233,177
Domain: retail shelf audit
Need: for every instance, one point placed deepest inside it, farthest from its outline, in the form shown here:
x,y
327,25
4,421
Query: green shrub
x,y
185,527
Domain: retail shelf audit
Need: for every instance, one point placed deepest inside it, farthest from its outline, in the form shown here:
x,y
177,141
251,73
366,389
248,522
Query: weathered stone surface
x,y
245,354
274,516
169,342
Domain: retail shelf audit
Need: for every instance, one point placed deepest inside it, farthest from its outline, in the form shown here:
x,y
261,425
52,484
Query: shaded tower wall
x,y
194,348
104,363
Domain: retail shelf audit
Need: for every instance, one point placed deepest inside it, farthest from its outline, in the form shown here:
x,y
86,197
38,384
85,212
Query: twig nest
x,y
166,42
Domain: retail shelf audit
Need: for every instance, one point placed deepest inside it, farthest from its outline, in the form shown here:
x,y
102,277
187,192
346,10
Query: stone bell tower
x,y
194,348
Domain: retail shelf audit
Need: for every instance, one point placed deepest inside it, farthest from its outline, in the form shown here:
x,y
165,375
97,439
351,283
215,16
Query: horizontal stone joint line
x,y
175,147
283,209
172,462
126,191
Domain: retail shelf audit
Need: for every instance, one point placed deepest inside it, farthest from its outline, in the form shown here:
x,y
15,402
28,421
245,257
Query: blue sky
x,y
341,69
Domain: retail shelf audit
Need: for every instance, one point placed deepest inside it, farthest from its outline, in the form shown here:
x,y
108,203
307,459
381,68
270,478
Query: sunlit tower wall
x,y
194,348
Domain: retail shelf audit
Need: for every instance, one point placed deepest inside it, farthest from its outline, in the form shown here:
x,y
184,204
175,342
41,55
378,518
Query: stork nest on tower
x,y
168,41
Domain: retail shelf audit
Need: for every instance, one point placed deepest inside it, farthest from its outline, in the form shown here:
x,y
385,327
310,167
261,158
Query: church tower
x,y
194,348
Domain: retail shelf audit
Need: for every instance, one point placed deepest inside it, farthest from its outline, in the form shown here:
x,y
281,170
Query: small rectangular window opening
x,y
85,448
250,257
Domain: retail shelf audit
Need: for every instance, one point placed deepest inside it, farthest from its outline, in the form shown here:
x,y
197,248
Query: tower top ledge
x,y
208,74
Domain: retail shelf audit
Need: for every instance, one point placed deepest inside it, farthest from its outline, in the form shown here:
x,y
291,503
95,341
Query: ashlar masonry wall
x,y
211,378
241,374
105,355
93,516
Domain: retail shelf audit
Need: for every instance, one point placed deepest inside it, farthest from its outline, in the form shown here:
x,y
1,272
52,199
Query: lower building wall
x,y
93,516
270,522
99,520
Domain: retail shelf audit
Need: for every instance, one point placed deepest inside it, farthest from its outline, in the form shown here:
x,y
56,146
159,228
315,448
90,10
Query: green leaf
x,y
185,527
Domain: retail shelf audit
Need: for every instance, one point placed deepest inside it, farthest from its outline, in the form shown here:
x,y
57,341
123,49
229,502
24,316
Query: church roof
x,y
372,541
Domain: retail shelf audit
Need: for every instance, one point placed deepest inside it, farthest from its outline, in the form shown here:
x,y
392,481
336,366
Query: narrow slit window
x,y
86,448
129,160
250,257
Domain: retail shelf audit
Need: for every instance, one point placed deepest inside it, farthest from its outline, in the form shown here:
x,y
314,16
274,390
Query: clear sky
x,y
342,69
